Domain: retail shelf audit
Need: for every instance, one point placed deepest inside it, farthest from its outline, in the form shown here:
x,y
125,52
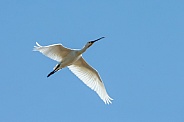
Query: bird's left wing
x,y
55,51
90,77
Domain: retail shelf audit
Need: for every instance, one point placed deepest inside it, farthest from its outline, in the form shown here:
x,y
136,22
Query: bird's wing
x,y
55,51
91,78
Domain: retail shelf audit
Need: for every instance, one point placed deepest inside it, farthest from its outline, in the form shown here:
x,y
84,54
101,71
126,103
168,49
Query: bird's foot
x,y
51,73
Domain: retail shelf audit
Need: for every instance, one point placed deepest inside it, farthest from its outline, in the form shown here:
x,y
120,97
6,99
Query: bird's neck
x,y
83,49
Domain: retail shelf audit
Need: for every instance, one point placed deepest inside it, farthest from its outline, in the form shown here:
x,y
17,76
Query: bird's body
x,y
73,59
69,59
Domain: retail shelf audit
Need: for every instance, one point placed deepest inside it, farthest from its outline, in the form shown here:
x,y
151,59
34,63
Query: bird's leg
x,y
55,70
51,73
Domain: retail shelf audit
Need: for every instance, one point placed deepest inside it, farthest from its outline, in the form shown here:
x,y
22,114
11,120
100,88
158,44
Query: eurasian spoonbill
x,y
73,59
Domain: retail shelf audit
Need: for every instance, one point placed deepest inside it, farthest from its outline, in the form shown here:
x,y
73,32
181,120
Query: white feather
x,y
73,59
56,51
91,78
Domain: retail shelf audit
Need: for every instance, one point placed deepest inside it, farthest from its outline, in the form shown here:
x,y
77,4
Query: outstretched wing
x,y
55,51
91,78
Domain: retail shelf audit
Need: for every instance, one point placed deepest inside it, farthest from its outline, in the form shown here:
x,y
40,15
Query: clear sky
x,y
141,60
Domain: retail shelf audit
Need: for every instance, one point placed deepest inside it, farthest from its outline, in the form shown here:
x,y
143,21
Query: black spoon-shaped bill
x,y
97,39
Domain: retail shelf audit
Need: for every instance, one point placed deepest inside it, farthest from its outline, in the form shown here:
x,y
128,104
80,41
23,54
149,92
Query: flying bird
x,y
73,59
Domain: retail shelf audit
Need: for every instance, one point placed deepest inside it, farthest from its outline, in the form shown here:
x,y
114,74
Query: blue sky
x,y
141,60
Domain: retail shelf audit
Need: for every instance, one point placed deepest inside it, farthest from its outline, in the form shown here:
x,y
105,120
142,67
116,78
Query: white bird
x,y
73,59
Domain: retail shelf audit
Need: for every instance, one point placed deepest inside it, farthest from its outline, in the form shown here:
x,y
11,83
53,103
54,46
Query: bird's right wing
x,y
55,51
90,77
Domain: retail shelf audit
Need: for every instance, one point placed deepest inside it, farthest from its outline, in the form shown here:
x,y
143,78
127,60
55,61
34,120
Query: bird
x,y
73,59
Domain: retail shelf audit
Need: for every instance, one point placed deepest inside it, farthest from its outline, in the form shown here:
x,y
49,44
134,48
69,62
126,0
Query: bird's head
x,y
92,42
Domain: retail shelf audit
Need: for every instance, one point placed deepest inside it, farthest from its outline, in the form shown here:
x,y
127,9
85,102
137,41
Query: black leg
x,y
55,70
51,73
